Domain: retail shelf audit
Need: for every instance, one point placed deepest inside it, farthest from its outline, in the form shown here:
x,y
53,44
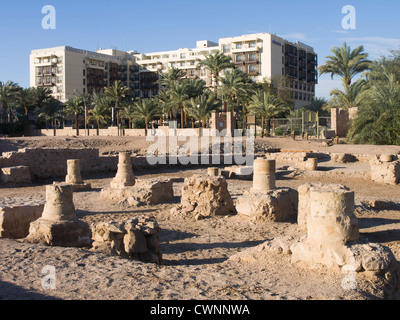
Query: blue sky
x,y
157,25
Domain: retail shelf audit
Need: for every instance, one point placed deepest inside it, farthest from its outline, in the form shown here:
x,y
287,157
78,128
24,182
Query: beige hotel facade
x,y
68,71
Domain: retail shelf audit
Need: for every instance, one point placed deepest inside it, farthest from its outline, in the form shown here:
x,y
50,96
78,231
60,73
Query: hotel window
x,y
60,89
39,81
239,46
59,79
59,70
226,48
183,55
182,64
191,73
203,73
252,44
252,57
239,58
252,69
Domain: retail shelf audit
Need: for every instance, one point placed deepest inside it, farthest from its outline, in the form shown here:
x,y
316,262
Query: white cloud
x,y
297,36
376,47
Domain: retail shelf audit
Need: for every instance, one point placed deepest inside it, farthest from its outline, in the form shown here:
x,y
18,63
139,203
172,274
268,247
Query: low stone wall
x,y
114,132
52,163
16,214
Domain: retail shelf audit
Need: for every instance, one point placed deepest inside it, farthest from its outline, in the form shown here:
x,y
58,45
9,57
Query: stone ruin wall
x,y
52,163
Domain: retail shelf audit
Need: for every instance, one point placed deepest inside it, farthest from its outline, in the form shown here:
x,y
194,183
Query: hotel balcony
x,y
246,48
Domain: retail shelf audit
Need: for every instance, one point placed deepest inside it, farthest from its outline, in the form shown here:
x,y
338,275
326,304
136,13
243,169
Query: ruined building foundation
x,y
264,201
59,225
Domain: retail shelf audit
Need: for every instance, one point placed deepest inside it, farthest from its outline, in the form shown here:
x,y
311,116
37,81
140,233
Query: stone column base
x,y
66,233
279,205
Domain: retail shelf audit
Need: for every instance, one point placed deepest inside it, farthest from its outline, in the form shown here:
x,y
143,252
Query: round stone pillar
x,y
312,164
59,203
331,218
264,175
125,176
73,172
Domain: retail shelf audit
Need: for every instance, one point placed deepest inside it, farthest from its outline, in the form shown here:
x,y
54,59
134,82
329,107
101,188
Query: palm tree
x,y
202,106
40,95
171,77
352,95
147,110
377,120
75,107
317,105
180,96
216,63
267,106
128,110
24,99
8,93
100,111
117,91
234,85
346,63
51,111
164,101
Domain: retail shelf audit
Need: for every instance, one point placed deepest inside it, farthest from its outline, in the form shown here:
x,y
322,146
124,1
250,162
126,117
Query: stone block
x,y
136,239
15,175
16,215
206,196
144,192
67,233
385,172
278,205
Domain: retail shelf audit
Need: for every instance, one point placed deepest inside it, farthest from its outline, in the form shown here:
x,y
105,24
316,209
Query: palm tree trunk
x,y
76,125
98,128
262,127
200,128
181,117
147,125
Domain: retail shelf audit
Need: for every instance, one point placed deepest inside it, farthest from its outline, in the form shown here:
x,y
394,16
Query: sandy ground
x,y
196,253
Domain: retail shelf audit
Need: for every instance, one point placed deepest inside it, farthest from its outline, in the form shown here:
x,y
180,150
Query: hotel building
x,y
67,71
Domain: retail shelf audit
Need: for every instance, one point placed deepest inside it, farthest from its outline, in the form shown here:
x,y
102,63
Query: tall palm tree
x,y
169,78
202,106
234,85
40,95
267,106
317,105
352,95
128,110
24,99
180,96
346,63
164,100
117,91
216,63
8,93
101,110
75,107
50,111
147,110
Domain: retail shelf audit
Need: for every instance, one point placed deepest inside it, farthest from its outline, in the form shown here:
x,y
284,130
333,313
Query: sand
x,y
196,254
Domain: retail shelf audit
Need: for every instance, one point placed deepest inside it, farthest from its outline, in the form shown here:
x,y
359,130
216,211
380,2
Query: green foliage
x,y
346,63
378,118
